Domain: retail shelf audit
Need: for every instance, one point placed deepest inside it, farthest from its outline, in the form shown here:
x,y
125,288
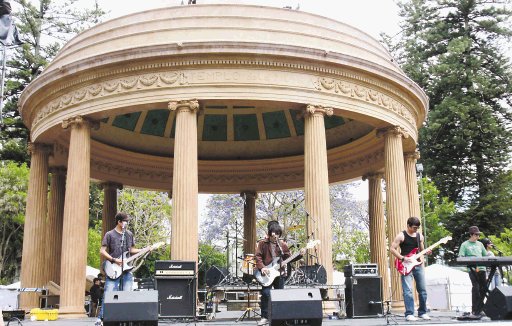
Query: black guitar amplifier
x,y
177,268
175,281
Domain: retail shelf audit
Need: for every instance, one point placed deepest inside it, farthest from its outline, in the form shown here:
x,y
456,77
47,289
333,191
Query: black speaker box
x,y
176,296
499,303
295,307
134,307
363,296
214,275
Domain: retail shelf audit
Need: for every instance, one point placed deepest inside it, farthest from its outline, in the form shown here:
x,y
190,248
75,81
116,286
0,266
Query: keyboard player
x,y
477,274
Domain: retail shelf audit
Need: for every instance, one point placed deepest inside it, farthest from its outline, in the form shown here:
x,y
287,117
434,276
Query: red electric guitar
x,y
406,267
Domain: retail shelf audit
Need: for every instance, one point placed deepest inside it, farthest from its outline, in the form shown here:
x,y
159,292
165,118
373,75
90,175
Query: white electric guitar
x,y
114,271
275,266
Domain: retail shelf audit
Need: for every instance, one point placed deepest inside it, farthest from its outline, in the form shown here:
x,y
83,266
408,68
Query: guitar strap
x,y
418,237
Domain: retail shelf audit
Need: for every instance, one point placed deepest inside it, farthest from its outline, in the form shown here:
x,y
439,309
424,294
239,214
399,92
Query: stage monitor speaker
x,y
499,303
176,296
295,307
363,296
215,275
134,307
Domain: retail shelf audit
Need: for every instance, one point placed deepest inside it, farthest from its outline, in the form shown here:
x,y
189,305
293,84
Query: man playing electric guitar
x,y
409,240
268,249
116,242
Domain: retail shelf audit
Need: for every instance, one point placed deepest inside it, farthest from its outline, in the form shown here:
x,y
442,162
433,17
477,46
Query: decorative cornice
x,y
126,171
312,109
348,89
396,131
184,105
358,163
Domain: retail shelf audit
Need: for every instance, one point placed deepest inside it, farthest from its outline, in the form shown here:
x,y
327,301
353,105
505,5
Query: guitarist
x,y
266,251
408,240
111,250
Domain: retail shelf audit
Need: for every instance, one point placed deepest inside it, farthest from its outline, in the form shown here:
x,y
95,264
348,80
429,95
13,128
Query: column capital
x,y
373,176
396,131
312,109
110,185
34,148
79,120
414,156
251,194
184,105
60,170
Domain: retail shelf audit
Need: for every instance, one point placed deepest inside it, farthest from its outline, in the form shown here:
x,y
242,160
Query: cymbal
x,y
295,227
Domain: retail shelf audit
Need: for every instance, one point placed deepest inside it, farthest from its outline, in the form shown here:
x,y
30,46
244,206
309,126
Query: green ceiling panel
x,y
298,121
127,121
333,121
275,125
215,127
155,122
246,127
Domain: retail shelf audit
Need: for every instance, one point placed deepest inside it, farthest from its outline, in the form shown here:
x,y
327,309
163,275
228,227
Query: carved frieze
x,y
110,87
348,89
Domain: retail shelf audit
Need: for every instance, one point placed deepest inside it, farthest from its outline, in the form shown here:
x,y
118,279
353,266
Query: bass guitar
x,y
275,266
113,270
405,267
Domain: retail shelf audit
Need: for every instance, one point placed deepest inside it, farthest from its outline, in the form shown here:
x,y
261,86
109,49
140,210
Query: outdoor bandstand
x,y
214,99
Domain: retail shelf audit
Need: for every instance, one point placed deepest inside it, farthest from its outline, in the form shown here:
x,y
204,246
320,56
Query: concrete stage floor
x,y
229,318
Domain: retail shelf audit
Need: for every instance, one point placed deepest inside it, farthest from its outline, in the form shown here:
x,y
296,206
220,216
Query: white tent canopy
x,y
448,288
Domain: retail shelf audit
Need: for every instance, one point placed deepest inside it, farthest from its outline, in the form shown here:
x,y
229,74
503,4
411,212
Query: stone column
x,y
33,271
396,196
412,183
316,184
55,220
249,221
378,247
184,224
109,212
76,219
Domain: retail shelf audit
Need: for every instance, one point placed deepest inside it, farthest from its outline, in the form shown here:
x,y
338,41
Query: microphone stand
x,y
123,240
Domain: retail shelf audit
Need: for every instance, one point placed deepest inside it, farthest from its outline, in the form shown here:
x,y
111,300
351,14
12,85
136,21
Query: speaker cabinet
x,y
499,303
363,296
215,275
176,296
134,307
295,307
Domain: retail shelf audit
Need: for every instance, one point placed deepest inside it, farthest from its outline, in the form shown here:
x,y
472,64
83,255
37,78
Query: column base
x,y
398,305
72,312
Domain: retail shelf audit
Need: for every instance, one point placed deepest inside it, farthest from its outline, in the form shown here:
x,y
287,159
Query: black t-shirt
x,y
408,244
112,240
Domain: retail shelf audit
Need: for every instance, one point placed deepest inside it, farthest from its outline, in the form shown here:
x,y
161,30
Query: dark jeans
x,y
265,295
478,280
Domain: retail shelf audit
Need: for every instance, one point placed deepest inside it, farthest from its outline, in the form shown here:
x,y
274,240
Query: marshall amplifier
x,y
361,270
175,282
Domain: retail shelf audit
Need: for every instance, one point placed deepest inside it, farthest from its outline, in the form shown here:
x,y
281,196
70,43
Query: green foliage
x,y
354,248
44,26
504,244
13,194
209,256
94,245
455,50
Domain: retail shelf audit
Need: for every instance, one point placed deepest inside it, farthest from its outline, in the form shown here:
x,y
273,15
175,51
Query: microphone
x,y
124,224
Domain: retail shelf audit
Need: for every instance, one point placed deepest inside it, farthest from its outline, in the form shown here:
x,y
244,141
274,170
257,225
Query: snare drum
x,y
248,264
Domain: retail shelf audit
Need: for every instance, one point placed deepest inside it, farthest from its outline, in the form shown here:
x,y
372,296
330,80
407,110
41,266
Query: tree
x,y
13,194
455,50
44,26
